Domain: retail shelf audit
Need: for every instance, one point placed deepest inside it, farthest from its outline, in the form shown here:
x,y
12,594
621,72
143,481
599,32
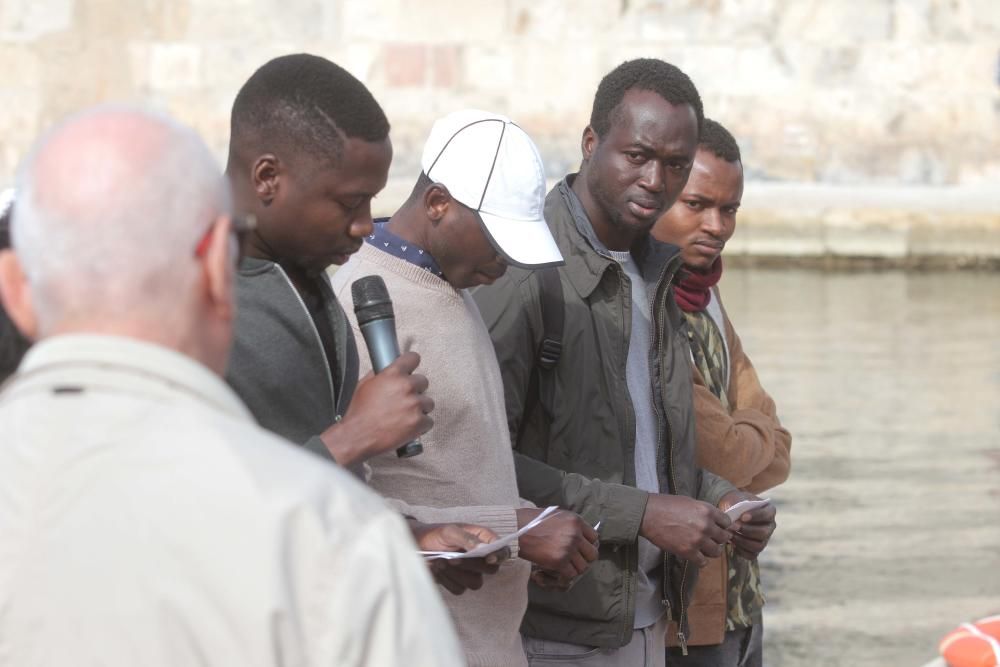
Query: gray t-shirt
x,y
648,607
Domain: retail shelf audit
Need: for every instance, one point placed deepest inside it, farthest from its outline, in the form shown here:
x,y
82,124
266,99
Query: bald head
x,y
109,204
110,207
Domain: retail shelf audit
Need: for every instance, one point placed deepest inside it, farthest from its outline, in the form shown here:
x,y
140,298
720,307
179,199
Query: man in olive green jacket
x,y
608,431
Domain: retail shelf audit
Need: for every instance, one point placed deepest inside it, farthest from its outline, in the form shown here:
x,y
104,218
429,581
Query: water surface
x,y
889,526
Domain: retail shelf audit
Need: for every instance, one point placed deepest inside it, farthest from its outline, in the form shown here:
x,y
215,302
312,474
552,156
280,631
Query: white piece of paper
x,y
490,547
744,506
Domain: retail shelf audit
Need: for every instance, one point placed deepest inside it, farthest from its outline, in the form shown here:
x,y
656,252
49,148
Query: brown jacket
x,y
747,446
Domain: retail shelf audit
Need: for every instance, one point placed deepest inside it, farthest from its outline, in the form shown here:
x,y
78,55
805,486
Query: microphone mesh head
x,y
371,299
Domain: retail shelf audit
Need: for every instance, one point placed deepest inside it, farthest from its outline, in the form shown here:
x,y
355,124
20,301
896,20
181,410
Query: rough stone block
x,y
174,66
755,70
358,58
404,65
21,67
911,20
860,91
488,68
445,66
222,20
554,21
429,21
27,20
848,21
19,126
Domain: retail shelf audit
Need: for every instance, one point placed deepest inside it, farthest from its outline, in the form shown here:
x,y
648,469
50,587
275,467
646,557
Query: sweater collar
x,y
405,269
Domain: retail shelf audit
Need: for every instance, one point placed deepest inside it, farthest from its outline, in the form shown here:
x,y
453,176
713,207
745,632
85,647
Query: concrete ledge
x,y
897,225
805,224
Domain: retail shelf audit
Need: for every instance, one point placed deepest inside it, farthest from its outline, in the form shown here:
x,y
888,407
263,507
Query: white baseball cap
x,y
492,166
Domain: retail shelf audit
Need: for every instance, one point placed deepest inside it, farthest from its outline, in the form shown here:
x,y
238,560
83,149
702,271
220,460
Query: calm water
x,y
889,526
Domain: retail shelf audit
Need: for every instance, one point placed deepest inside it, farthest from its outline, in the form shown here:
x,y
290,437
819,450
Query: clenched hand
x,y
563,545
751,530
387,410
460,574
688,528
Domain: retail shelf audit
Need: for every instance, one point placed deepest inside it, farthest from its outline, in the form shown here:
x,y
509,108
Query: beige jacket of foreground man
x,y
146,520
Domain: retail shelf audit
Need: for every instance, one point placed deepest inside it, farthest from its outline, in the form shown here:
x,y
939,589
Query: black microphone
x,y
373,309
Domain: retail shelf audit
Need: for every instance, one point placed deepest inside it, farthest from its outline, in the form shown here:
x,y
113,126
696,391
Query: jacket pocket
x,y
544,651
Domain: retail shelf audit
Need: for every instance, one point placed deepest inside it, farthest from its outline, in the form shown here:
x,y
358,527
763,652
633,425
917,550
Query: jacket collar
x,y
78,355
586,257
250,266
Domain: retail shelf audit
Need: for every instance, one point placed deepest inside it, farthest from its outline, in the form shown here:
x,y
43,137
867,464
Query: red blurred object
x,y
973,644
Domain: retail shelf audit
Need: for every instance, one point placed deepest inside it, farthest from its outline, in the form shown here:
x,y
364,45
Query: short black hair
x,y
308,103
662,78
719,141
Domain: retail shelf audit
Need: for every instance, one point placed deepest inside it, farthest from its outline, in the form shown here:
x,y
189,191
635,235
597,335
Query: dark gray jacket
x,y
278,365
12,346
575,447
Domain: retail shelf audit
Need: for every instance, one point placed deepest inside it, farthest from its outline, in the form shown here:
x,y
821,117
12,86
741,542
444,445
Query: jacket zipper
x,y
319,341
681,637
629,622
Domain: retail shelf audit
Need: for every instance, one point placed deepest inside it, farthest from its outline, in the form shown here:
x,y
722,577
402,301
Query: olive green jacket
x,y
575,446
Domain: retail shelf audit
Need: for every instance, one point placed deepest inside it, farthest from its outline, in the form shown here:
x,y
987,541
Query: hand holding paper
x,y
485,549
745,506
458,575
750,537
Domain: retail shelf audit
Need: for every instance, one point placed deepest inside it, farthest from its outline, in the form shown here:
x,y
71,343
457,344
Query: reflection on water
x,y
889,526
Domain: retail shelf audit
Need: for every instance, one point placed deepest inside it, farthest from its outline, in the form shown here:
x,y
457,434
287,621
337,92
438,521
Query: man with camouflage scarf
x,y
738,433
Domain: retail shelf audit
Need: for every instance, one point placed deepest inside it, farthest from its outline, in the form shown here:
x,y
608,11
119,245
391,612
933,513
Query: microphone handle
x,y
383,348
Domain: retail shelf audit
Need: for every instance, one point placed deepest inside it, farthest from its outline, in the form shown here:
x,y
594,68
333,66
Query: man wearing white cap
x,y
475,209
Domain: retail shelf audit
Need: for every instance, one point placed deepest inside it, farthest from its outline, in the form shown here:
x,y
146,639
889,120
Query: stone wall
x,y
819,92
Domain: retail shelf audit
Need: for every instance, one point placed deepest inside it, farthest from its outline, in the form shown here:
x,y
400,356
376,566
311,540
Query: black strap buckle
x,y
549,354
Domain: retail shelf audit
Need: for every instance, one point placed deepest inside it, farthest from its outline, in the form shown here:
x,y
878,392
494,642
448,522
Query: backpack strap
x,y
553,317
550,349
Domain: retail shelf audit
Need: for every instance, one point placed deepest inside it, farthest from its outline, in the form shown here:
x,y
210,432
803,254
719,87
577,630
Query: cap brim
x,y
527,244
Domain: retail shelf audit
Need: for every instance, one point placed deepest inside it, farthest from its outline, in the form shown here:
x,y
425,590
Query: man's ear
x,y
265,173
588,142
437,200
217,267
15,295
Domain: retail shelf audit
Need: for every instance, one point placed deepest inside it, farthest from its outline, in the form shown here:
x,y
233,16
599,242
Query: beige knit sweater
x,y
466,472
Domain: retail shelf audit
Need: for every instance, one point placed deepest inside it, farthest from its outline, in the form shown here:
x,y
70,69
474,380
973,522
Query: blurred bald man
x,y
146,519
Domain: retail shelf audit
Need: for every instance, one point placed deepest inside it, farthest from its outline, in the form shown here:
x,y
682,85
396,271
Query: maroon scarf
x,y
693,292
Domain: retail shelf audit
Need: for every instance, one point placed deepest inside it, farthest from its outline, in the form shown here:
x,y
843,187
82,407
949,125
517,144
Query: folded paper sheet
x,y
498,544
